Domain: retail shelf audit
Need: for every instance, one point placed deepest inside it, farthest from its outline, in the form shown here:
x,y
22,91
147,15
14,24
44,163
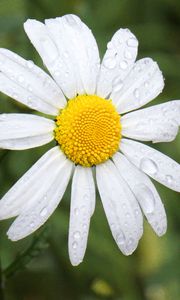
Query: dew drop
x,y
30,64
145,198
128,54
20,79
132,42
43,212
32,224
136,93
71,20
74,245
169,179
148,166
123,65
77,235
136,212
127,215
84,226
146,84
109,62
120,238
130,242
76,211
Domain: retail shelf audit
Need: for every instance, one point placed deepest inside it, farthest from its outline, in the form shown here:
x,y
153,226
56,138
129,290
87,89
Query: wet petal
x,y
23,131
42,204
82,203
159,123
157,165
117,62
145,193
69,51
16,198
25,82
116,199
143,84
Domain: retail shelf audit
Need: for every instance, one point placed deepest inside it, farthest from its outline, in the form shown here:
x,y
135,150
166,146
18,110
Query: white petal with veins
x,y
116,198
159,123
82,200
157,165
117,62
23,131
44,201
69,51
23,190
31,78
145,193
143,84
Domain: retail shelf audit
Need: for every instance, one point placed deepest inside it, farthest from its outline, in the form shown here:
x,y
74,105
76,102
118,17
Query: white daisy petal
x,y
82,198
15,91
134,204
31,78
16,198
23,131
44,201
145,193
69,51
117,62
143,84
157,165
116,198
159,123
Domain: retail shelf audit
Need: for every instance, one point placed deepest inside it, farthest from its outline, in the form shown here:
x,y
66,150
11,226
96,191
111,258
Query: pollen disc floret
x,y
88,130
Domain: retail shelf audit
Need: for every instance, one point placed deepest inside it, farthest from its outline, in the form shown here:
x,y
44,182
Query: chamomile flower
x,y
94,128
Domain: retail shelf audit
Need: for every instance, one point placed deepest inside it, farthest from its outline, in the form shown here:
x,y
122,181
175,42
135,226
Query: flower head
x,y
92,104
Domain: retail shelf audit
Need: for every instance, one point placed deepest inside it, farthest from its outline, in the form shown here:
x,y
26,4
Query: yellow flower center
x,y
88,130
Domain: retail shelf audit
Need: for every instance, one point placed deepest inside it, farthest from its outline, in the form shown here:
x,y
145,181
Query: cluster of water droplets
x,y
113,60
80,217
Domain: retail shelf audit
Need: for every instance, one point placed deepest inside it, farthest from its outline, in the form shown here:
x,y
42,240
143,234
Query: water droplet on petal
x,y
20,79
32,224
74,245
30,64
169,179
76,211
148,166
146,84
128,54
145,197
136,212
120,238
136,93
132,42
43,212
77,235
123,65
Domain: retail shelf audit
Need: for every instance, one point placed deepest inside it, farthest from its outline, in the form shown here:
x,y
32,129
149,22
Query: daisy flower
x,y
94,127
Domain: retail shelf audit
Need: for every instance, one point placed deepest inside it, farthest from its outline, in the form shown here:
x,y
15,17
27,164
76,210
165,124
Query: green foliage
x,y
45,273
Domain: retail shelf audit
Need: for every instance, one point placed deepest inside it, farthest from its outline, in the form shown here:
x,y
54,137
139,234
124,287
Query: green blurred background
x,y
38,267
